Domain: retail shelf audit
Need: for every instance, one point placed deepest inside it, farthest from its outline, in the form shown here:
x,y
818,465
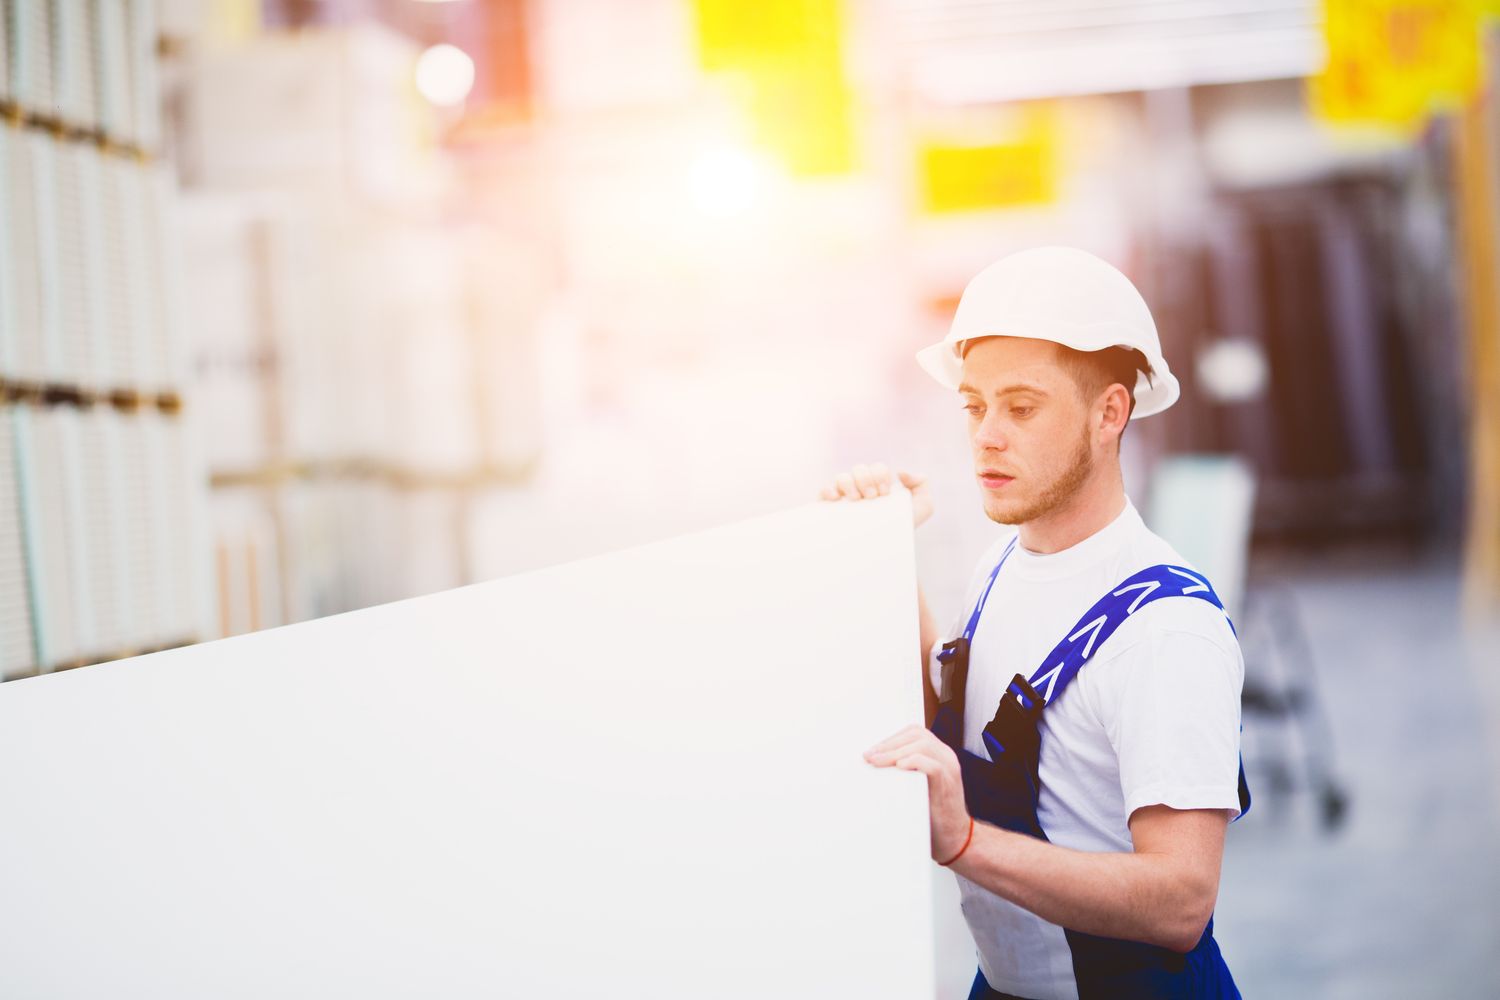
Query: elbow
x,y
1183,928
1182,939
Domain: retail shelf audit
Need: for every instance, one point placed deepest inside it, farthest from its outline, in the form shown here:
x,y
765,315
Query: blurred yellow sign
x,y
1391,61
1012,166
787,57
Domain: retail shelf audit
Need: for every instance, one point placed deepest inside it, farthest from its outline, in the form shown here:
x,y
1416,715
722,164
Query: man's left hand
x,y
915,748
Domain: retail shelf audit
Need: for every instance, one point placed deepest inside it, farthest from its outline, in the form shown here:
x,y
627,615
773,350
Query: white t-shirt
x,y
1153,718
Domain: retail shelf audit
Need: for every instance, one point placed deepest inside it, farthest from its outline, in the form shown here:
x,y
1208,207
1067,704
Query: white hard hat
x,y
1063,295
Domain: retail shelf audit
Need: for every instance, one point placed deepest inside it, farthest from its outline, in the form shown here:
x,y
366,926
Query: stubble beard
x,y
1055,494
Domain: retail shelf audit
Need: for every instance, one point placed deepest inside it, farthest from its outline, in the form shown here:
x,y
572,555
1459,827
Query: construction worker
x,y
1083,811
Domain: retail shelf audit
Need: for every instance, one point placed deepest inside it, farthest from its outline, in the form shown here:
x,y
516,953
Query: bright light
x,y
1233,371
725,182
445,75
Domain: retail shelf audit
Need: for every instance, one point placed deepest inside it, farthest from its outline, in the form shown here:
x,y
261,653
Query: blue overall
x,y
1002,791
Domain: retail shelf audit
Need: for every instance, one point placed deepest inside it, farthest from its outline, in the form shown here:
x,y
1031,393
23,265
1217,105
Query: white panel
x,y
139,601
633,776
171,536
163,256
5,61
10,246
186,497
29,241
112,68
105,530
17,652
80,268
52,480
31,52
120,363
145,109
73,63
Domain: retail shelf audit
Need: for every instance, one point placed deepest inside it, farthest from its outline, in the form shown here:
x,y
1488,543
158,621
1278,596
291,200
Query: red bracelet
x,y
967,841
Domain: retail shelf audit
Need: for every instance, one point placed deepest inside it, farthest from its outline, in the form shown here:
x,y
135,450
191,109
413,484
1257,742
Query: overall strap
x,y
954,657
984,595
1091,631
1100,621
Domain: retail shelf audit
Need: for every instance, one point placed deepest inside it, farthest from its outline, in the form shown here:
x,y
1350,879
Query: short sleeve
x,y
1174,721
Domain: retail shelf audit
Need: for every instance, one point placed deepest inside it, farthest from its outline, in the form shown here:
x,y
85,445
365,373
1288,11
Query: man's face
x,y
1028,427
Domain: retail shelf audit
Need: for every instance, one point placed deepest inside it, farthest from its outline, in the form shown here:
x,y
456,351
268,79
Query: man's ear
x,y
1115,409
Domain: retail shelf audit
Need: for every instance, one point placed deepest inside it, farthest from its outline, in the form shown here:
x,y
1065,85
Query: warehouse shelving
x,y
102,494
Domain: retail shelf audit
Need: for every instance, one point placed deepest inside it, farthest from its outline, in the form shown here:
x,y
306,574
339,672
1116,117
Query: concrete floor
x,y
1402,899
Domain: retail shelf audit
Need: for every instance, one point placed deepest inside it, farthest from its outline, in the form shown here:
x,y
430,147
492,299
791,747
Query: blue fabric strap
x,y
985,594
1100,621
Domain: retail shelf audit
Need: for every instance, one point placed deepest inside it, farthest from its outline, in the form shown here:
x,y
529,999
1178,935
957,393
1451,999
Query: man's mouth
x,y
992,480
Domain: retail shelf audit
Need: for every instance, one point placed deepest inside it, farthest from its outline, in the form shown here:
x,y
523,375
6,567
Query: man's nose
x,y
990,434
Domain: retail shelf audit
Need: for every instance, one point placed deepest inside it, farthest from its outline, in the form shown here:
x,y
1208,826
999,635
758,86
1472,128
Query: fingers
x,y
870,482
919,762
863,482
898,739
911,480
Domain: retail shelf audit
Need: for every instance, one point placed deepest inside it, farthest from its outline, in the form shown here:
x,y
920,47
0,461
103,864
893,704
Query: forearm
x,y
1135,896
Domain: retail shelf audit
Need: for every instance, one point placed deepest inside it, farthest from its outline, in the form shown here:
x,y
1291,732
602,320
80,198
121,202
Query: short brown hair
x,y
1095,371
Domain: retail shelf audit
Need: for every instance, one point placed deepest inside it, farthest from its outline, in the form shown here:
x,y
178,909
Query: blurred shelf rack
x,y
102,495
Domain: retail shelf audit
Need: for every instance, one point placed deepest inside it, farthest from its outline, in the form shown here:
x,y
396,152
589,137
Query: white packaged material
x,y
225,303
8,246
17,648
652,756
185,495
102,532
31,55
161,527
120,358
140,601
432,411
5,33
332,110
145,91
29,242
73,63
247,567
112,100
79,262
50,476
166,344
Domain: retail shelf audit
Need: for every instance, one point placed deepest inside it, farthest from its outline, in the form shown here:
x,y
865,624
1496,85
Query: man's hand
x,y
916,749
874,480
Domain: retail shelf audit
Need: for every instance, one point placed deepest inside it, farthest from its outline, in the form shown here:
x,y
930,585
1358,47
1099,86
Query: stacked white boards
x,y
100,481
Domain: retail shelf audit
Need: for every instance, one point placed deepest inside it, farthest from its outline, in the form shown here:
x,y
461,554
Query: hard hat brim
x,y
942,362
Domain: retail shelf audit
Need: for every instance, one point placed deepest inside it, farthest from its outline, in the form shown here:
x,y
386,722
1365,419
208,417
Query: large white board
x,y
638,775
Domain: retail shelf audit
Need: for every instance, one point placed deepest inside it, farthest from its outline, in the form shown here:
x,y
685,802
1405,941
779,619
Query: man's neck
x,y
1091,509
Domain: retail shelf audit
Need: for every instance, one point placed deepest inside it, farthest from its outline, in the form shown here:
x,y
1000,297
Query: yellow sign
x,y
787,57
1392,61
1006,167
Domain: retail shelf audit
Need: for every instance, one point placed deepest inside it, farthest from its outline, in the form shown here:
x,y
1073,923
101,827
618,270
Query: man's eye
x,y
1021,411
973,409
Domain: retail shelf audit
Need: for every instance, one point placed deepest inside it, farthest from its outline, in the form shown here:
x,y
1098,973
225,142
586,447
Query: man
x,y
1083,760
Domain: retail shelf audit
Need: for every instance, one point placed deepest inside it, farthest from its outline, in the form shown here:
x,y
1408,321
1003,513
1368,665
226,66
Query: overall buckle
x,y
954,658
1013,728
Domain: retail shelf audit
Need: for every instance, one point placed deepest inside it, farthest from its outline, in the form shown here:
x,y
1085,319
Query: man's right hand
x,y
865,482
